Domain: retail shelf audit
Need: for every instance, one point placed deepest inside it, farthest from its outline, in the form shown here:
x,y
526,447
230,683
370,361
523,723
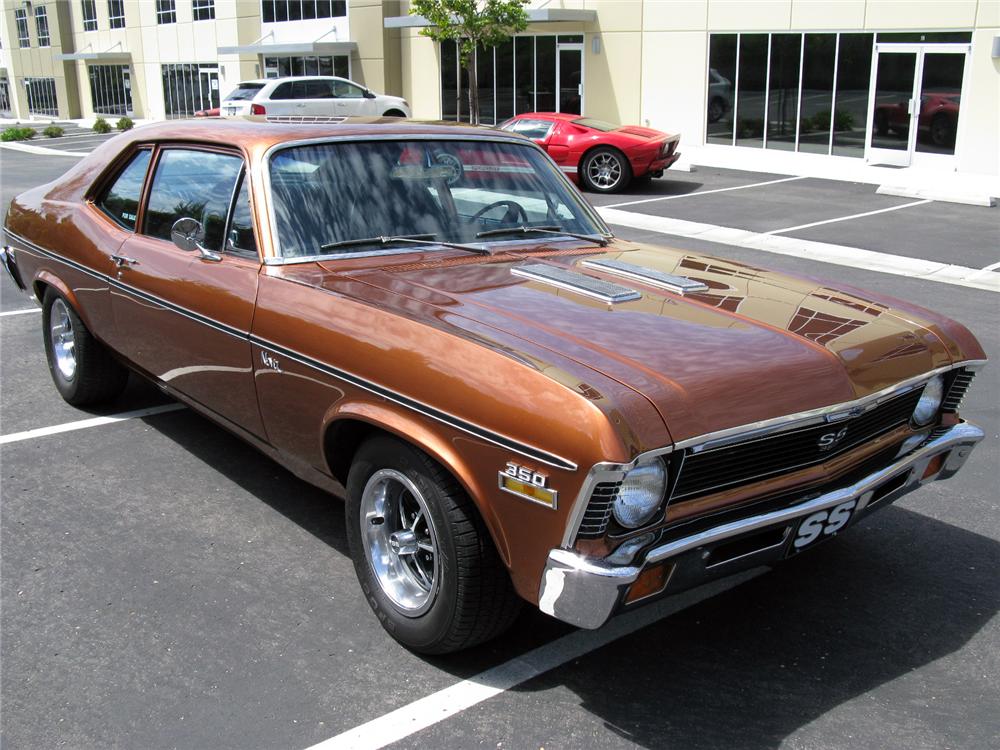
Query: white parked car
x,y
309,96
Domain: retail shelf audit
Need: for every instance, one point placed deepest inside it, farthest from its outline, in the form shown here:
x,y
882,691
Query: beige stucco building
x,y
763,82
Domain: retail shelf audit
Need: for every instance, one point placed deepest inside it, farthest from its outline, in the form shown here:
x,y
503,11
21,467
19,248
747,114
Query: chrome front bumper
x,y
585,592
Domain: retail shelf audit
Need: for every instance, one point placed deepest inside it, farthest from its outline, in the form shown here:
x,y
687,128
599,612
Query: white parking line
x,y
84,424
30,149
841,255
702,192
848,218
20,312
991,266
445,703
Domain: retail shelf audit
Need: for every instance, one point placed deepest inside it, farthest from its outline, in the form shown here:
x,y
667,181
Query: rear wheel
x,y
605,170
83,370
422,554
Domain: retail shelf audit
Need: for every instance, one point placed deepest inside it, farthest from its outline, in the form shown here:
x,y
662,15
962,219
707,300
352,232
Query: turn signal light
x,y
529,491
651,581
257,109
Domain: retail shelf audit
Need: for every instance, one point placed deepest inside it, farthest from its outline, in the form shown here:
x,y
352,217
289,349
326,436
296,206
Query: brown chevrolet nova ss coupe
x,y
516,404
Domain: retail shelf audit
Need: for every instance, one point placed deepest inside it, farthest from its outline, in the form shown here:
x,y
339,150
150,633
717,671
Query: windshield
x,y
328,195
245,91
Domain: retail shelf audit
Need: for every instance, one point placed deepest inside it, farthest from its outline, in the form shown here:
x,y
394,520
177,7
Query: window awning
x,y
536,15
291,48
107,56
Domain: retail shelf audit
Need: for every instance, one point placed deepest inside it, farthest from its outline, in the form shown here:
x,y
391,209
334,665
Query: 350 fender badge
x,y
528,484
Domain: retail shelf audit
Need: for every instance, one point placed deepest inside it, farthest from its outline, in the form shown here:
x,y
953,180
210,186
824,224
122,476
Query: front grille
x,y
956,389
719,468
595,520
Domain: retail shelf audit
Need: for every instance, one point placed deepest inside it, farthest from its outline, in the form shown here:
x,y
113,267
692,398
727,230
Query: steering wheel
x,y
515,212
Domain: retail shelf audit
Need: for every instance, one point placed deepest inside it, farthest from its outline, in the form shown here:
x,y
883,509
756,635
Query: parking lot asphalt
x,y
164,585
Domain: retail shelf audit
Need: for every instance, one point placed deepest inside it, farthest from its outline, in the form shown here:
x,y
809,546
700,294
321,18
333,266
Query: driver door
x,y
184,317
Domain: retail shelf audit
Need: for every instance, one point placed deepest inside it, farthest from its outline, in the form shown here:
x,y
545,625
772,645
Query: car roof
x,y
285,79
547,116
255,134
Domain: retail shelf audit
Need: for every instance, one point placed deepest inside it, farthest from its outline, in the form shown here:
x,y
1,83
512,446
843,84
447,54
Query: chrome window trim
x,y
610,471
492,137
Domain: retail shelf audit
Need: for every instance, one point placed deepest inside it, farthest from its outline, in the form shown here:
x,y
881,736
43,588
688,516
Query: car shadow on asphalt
x,y
751,666
657,188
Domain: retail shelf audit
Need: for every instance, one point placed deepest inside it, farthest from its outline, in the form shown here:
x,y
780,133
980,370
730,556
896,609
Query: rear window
x,y
587,122
121,201
245,91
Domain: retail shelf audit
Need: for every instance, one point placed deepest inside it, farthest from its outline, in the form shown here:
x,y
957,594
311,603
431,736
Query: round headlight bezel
x,y
641,494
929,404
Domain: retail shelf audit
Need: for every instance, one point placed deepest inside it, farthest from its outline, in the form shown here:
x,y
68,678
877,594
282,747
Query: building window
x,y
110,89
203,10
89,15
116,13
42,96
519,75
5,108
279,67
21,16
166,11
298,10
788,91
190,88
42,26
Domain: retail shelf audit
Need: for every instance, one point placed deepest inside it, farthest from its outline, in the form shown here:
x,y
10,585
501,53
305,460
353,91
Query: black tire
x,y
942,130
394,113
605,170
716,109
881,123
83,370
472,599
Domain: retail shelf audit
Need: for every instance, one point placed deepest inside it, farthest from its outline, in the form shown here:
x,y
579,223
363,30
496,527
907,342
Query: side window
x,y
284,91
317,90
194,184
345,90
240,238
121,200
537,129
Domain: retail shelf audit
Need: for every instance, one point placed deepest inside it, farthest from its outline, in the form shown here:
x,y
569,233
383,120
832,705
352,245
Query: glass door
x,y
915,100
569,74
891,103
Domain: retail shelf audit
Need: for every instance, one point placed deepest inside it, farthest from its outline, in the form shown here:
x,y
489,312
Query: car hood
x,y
755,345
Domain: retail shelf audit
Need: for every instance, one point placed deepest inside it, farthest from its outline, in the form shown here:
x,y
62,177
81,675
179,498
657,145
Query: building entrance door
x,y
914,104
569,75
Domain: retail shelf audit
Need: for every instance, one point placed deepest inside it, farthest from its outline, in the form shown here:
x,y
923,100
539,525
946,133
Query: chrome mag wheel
x,y
605,171
400,541
63,339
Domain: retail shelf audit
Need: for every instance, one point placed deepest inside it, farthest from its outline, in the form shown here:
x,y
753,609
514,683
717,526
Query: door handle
x,y
123,260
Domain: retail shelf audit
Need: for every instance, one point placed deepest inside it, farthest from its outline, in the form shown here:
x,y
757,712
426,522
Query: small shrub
x,y
17,134
102,126
124,124
53,131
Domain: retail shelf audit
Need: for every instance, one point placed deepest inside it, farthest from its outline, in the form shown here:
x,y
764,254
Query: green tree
x,y
471,23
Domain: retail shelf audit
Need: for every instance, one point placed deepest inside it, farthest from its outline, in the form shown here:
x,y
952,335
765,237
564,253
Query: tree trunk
x,y
473,91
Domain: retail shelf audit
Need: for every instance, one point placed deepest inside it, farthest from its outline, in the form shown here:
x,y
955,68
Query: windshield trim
x,y
495,136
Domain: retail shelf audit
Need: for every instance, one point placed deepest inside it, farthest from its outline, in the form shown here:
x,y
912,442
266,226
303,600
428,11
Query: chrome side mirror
x,y
188,234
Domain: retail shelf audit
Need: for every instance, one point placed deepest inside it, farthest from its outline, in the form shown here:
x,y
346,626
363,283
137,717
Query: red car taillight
x,y
257,109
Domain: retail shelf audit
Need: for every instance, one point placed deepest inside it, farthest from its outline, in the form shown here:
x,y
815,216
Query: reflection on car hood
x,y
754,346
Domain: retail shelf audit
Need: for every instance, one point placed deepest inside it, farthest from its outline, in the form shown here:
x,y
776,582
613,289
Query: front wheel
x,y
422,554
83,370
605,170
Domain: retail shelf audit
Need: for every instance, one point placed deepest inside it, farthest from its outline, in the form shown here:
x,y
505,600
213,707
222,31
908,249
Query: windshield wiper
x,y
416,239
597,239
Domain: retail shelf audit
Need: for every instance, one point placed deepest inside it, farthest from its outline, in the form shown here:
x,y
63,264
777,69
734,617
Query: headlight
x,y
640,494
930,401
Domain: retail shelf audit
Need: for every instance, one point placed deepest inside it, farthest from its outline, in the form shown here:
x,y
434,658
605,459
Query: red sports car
x,y
597,155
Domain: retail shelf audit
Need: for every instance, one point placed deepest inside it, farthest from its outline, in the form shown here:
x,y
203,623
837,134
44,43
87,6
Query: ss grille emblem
x,y
830,439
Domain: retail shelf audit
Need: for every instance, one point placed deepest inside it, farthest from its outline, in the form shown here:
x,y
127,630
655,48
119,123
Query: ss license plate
x,y
822,524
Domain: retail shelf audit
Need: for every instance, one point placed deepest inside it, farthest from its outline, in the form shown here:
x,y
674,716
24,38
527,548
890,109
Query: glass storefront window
x,y
505,80
524,74
751,92
783,91
816,110
484,79
110,89
545,73
721,87
850,115
311,65
189,87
